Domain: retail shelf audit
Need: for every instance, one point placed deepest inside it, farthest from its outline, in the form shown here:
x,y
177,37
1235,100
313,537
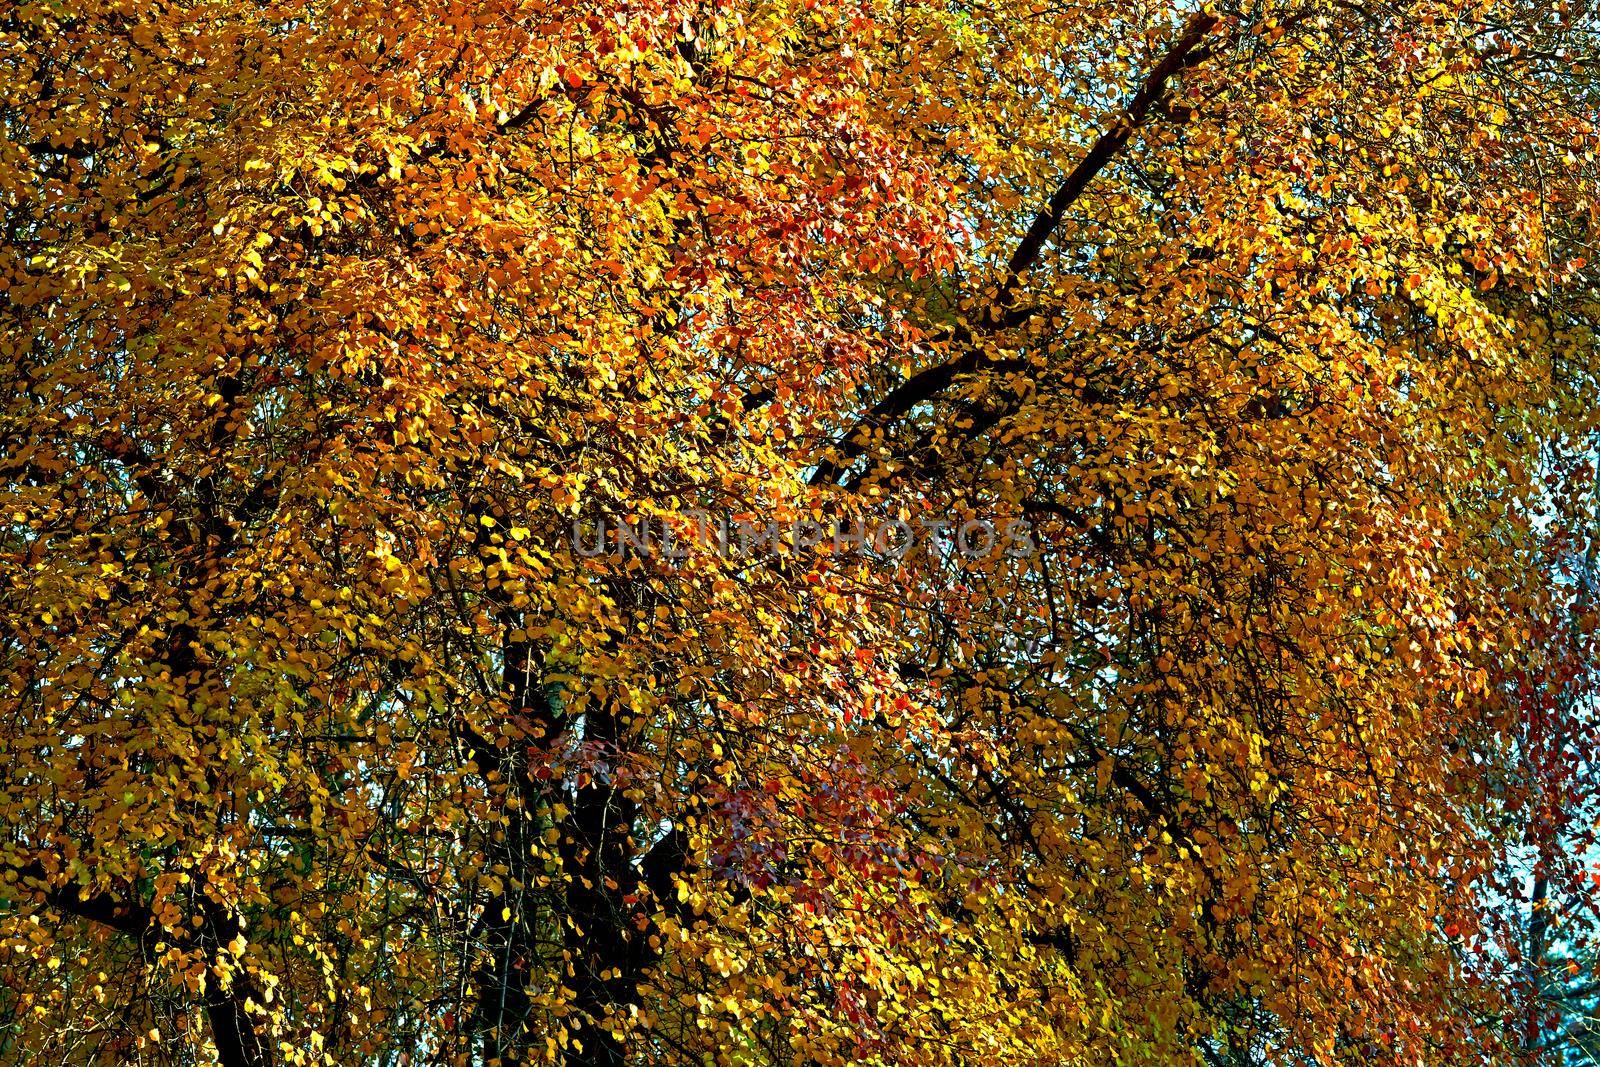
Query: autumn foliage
x,y
326,326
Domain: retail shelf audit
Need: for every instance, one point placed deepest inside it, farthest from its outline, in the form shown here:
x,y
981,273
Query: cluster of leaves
x,y
326,325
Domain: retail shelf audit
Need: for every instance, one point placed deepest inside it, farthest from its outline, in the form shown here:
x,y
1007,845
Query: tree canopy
x,y
1224,374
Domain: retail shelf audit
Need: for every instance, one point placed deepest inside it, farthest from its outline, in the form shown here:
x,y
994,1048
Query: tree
x,y
335,330
1545,919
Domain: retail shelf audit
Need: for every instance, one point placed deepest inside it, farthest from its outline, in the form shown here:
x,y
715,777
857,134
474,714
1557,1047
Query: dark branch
x,y
103,908
930,382
1186,52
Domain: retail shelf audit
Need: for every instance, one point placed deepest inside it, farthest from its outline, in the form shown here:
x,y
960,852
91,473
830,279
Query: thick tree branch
x,y
232,1031
1189,49
103,908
